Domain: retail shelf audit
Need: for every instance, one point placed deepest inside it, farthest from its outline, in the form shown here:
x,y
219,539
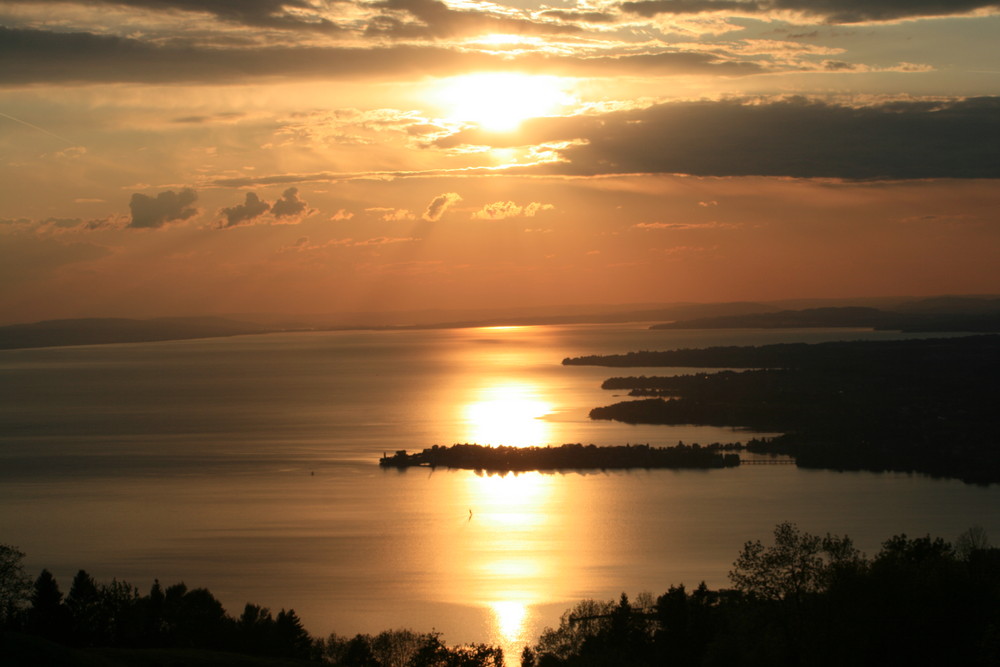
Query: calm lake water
x,y
248,466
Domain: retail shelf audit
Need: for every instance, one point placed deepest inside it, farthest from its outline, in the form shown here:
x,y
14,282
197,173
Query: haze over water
x,y
249,466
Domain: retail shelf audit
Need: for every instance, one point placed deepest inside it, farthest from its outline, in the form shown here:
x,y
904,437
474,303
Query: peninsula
x,y
926,405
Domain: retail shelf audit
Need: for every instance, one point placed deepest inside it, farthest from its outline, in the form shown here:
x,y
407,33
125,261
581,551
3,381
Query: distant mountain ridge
x,y
99,331
105,330
938,314
925,315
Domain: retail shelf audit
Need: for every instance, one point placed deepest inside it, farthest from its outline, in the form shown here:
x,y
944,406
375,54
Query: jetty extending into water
x,y
567,457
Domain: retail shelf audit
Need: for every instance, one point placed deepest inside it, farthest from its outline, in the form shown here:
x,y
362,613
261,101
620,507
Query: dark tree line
x,y
801,601
115,615
405,648
804,601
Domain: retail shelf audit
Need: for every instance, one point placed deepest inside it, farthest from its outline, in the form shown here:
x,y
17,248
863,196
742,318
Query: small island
x,y
503,459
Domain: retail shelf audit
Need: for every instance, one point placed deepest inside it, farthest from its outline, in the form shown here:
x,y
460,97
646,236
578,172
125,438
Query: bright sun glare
x,y
500,101
508,414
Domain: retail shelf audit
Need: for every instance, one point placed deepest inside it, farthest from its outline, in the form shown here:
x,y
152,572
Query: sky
x,y
196,157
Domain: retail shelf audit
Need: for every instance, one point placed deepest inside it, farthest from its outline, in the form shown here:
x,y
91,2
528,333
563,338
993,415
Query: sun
x,y
501,101
508,414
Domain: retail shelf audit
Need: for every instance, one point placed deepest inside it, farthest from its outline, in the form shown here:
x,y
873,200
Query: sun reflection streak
x,y
511,563
509,617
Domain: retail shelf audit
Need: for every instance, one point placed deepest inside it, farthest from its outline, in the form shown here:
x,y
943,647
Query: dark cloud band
x,y
832,11
795,138
35,56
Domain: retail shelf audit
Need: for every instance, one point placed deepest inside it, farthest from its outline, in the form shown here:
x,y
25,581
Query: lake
x,y
249,466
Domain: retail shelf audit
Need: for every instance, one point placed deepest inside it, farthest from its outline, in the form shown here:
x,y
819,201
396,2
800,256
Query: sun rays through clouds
x,y
434,152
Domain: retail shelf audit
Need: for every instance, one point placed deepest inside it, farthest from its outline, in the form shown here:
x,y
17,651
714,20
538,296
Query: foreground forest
x,y
801,600
924,406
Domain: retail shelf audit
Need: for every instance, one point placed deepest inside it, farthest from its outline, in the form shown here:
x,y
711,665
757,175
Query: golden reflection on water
x,y
509,553
509,618
507,413
510,561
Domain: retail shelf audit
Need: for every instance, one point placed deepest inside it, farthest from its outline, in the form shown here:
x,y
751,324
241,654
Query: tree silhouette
x,y
14,584
48,617
119,613
254,628
396,648
84,602
289,638
972,540
152,616
195,618
796,565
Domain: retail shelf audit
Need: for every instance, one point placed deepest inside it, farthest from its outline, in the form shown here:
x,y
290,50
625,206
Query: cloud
x,y
397,19
391,214
289,209
830,11
55,227
683,226
243,214
793,137
410,19
582,17
280,14
39,56
439,205
384,240
534,207
341,214
301,244
290,206
507,209
168,206
224,117
498,211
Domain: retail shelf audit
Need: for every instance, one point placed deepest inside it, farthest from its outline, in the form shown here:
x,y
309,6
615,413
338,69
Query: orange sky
x,y
195,156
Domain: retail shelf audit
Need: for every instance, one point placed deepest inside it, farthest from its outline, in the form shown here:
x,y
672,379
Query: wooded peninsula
x,y
927,405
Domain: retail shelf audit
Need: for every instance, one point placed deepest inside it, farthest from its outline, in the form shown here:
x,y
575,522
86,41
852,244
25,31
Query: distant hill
x,y
925,315
669,312
501,316
951,305
975,314
97,331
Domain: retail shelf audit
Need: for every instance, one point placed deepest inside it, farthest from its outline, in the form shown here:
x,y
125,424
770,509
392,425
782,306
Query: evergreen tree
x,y
48,617
152,616
120,614
84,602
290,639
254,629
